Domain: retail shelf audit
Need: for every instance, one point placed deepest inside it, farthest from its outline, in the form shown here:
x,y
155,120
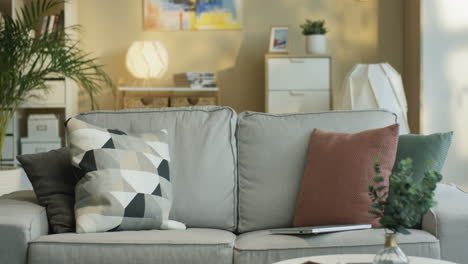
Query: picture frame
x,y
191,15
279,39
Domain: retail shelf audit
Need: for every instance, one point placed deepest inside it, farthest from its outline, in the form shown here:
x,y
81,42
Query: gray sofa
x,y
234,178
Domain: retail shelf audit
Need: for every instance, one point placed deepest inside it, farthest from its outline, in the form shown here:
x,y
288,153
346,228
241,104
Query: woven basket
x,y
179,101
135,102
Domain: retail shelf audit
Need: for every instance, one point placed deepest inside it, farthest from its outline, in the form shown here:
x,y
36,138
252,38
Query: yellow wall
x,y
361,31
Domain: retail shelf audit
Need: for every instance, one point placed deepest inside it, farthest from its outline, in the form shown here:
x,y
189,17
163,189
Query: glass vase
x,y
391,254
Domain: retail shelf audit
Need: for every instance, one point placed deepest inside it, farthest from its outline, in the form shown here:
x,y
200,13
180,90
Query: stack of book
x,y
195,80
52,23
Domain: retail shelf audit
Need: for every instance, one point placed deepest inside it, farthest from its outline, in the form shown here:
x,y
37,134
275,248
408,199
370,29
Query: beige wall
x,y
361,31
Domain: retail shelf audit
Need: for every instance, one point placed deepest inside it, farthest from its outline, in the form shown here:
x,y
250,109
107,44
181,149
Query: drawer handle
x,y
296,94
292,60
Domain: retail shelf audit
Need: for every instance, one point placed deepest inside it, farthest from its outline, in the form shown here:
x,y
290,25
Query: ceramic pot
x,y
391,254
316,44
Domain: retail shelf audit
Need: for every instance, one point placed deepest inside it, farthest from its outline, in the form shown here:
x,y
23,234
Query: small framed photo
x,y
279,39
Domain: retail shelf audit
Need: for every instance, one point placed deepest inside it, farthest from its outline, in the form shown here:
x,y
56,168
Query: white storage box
x,y
43,126
35,145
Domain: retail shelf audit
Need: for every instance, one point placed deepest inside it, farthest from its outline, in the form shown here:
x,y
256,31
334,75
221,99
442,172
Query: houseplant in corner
x,y
315,31
401,205
26,59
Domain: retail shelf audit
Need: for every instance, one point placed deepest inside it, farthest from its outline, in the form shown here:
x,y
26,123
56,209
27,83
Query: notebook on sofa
x,y
310,230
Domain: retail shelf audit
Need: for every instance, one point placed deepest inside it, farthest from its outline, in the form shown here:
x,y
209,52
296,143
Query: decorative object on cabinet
x,y
373,86
315,31
196,80
53,60
172,15
279,40
147,60
133,97
298,83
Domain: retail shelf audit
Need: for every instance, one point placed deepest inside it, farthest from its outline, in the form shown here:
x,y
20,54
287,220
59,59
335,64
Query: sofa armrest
x,y
20,222
448,221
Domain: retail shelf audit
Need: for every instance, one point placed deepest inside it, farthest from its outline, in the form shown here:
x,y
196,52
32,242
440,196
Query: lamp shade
x,y
147,59
375,86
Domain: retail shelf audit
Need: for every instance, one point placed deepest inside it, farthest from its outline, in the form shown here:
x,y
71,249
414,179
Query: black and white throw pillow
x,y
124,182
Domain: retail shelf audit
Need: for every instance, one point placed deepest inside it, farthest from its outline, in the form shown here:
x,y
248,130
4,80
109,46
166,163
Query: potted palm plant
x,y
315,31
401,205
27,58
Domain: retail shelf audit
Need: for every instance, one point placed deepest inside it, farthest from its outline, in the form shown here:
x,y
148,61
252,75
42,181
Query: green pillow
x,y
421,149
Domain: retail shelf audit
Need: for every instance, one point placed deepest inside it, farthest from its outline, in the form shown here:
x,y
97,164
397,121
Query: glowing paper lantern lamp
x,y
374,86
147,59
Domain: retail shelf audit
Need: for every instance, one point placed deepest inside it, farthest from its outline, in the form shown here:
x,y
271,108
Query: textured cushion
x,y
340,167
125,182
52,177
263,247
272,152
197,246
422,148
203,158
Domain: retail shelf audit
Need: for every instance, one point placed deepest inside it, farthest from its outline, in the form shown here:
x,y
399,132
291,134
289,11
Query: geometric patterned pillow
x,y
124,182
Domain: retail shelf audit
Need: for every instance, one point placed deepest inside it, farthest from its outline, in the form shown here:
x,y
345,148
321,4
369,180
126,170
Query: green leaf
x,y
381,188
378,179
313,27
377,213
407,198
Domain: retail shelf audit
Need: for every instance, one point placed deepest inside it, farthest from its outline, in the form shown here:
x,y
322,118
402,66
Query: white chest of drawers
x,y
297,84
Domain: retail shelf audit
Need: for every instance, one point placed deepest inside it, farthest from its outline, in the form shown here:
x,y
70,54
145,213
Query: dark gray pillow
x,y
53,180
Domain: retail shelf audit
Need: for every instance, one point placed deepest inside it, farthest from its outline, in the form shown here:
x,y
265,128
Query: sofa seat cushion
x,y
264,247
155,246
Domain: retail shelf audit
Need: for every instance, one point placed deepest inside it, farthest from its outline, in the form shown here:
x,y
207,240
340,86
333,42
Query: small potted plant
x,y
401,205
315,31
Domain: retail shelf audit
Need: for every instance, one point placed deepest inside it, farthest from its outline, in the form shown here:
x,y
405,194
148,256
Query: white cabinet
x,y
10,129
298,101
298,84
8,152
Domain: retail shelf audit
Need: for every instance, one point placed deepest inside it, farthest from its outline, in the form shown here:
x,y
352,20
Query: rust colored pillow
x,y
339,168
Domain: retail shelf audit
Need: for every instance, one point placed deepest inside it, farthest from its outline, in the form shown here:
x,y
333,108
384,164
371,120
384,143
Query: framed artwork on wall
x,y
184,15
279,40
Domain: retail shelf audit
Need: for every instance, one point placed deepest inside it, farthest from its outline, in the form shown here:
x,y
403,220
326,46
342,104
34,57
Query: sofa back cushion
x,y
272,151
203,158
